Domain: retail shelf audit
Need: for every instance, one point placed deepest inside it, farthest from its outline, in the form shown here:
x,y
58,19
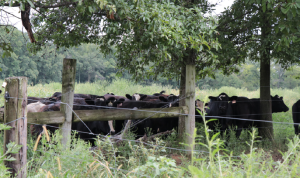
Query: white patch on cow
x,y
157,130
221,96
35,107
233,101
110,104
101,99
137,96
111,127
4,84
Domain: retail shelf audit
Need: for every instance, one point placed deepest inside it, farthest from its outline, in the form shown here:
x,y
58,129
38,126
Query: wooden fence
x,y
15,114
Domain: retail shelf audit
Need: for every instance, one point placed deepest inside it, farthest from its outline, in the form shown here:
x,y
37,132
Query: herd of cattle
x,y
228,112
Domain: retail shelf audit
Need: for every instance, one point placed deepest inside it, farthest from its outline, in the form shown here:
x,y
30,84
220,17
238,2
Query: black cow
x,y
244,108
156,125
97,127
144,97
42,100
218,106
296,116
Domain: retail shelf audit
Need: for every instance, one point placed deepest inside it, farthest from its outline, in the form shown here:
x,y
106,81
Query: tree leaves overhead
x,y
159,34
240,29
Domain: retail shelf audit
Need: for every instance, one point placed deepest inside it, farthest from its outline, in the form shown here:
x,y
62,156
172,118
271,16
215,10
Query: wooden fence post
x,y
15,114
190,102
68,87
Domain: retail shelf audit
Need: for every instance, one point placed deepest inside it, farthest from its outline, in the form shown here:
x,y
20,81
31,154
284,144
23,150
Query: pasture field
x,y
244,157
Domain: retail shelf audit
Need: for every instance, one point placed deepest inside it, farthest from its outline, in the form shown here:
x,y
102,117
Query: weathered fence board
x,y
120,114
15,114
58,117
52,117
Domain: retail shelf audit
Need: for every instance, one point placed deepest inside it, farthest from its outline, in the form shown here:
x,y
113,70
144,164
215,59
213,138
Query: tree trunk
x,y
266,129
89,77
181,121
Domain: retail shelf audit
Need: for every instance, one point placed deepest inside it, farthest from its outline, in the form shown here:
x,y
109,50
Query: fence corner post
x,y
15,115
68,87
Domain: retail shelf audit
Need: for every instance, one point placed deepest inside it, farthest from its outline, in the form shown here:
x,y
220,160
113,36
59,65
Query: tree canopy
x,y
151,38
262,30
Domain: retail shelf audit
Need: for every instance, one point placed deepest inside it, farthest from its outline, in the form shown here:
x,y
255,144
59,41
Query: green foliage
x,y
152,38
252,29
11,148
159,167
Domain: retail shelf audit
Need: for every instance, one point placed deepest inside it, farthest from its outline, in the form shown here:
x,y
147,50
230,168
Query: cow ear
x,y
212,98
162,92
101,97
161,98
128,96
281,98
143,97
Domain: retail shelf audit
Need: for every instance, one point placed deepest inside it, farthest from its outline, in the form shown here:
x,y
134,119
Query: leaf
x,y
22,6
31,4
197,173
91,9
3,126
264,7
285,10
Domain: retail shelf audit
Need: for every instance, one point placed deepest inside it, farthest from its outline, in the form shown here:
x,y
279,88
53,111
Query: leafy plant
x,y
12,148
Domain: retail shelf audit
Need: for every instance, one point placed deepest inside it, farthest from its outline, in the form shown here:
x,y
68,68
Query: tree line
x,y
45,66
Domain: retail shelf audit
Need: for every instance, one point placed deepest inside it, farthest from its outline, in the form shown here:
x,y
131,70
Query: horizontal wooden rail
x,y
58,117
119,114
52,117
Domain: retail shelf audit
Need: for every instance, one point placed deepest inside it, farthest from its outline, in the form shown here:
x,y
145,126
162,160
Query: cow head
x,y
100,101
119,102
56,94
136,97
278,104
157,94
110,101
173,100
223,103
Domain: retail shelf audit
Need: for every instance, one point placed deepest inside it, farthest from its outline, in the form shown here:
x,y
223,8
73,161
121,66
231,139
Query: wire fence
x,y
160,110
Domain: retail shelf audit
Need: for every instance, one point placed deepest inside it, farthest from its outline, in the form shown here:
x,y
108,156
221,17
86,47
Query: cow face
x,y
173,100
223,103
100,101
110,101
278,104
136,97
